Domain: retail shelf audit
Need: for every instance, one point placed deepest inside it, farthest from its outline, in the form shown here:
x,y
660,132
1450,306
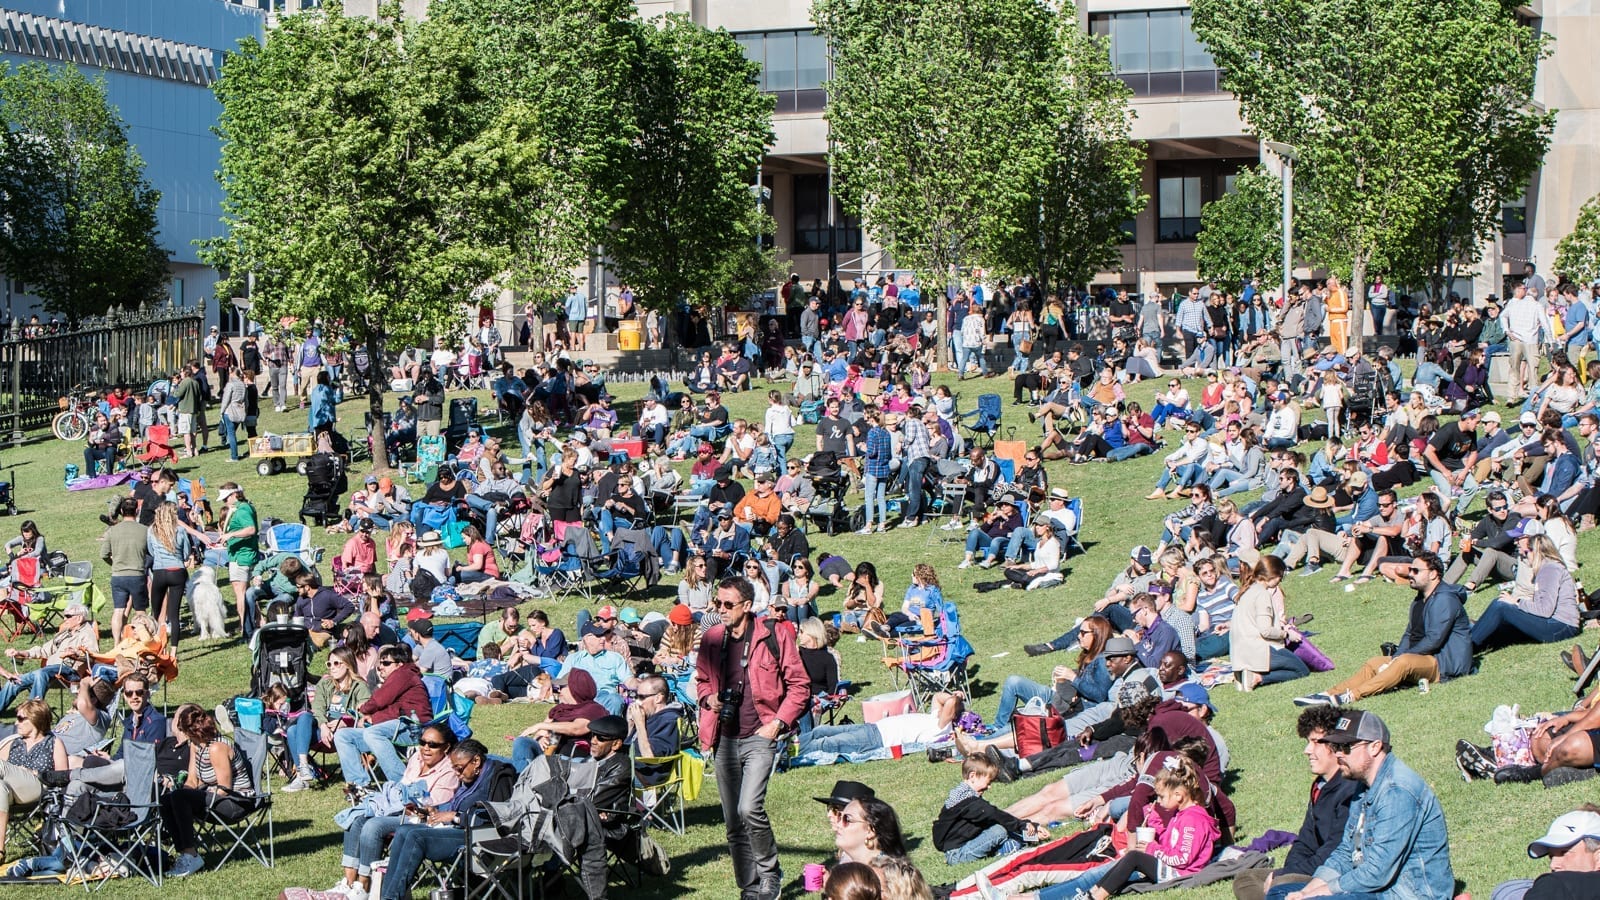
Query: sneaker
x,y
1474,761
187,864
300,783
941,754
1316,700
965,563
1311,569
1038,649
952,525
989,563
1517,774
1006,768
342,889
866,530
356,892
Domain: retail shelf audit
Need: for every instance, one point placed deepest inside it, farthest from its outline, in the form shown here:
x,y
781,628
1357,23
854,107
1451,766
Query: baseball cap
x,y
371,479
1566,831
1527,527
596,630
74,609
1118,646
606,612
724,472
1528,418
845,791
629,615
1470,414
1491,416
1357,725
1141,555
1189,692
418,613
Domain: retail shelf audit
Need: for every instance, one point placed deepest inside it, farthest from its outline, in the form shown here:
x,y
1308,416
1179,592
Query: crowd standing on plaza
x,y
1285,446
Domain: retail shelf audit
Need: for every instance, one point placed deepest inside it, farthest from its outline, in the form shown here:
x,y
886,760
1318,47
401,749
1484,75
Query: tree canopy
x,y
369,181
1578,254
1241,233
79,225
1394,108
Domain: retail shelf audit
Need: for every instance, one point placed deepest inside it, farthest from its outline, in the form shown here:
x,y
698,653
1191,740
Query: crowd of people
x,y
1267,402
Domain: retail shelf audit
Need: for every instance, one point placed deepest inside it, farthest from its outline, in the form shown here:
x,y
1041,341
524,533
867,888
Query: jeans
x,y
915,471
1117,614
302,729
1016,688
875,487
94,455
35,683
1379,312
1506,623
1187,476
1022,540
782,442
1226,481
744,766
963,356
978,539
524,750
410,846
1285,666
1280,891
379,740
1210,646
1083,881
491,515
704,432
1129,451
992,842
363,841
845,740
230,433
670,544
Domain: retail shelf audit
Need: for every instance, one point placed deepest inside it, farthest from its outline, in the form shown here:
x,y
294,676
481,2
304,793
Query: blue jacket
x,y
1324,825
1398,830
1446,631
1094,682
322,411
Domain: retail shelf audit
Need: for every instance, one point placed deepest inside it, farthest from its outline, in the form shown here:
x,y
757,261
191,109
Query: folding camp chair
x,y
460,638
249,819
937,663
663,802
25,575
123,846
490,866
292,537
985,421
430,456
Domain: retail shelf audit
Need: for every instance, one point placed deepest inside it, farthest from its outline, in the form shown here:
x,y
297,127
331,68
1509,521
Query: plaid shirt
x,y
915,443
880,451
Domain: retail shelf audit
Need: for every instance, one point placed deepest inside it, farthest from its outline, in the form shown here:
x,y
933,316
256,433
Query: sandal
x,y
1364,579
1339,579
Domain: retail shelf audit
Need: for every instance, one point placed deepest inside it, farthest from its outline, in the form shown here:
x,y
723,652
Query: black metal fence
x,y
40,366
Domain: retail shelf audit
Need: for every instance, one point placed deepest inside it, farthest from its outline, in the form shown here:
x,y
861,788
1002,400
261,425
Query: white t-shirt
x,y
912,728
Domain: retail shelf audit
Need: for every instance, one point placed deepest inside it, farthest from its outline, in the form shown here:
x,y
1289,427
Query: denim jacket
x,y
1395,845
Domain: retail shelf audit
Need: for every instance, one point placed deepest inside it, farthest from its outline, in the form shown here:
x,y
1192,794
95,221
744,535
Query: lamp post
x,y
1288,154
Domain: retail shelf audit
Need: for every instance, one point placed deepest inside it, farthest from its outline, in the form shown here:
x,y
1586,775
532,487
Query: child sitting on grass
x,y
969,827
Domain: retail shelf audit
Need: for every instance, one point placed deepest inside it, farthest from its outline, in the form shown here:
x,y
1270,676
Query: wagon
x,y
270,450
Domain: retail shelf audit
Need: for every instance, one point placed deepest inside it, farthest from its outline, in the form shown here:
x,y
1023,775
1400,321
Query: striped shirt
x,y
1218,602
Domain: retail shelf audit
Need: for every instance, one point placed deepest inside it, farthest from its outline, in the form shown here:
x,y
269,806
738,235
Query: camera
x,y
1389,648
731,699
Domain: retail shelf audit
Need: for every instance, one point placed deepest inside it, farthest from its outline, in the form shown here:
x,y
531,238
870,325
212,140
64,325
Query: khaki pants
x,y
1315,545
1522,352
18,787
429,428
1488,561
1385,673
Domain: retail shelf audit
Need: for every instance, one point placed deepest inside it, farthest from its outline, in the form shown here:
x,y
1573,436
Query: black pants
x,y
1092,445
1027,381
167,586
1119,875
182,807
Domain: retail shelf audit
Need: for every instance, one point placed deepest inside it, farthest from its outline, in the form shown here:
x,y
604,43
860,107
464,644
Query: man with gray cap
x,y
77,637
1573,846
1395,843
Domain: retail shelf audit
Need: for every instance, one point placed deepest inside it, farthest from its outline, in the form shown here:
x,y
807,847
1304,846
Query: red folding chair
x,y
26,574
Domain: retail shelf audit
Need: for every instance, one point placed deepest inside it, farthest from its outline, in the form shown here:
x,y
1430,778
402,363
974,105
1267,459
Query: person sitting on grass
x,y
1326,814
913,728
1130,582
1436,645
1550,615
970,828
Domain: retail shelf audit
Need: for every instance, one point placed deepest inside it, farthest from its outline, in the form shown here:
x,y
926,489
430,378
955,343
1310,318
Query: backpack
x,y
100,811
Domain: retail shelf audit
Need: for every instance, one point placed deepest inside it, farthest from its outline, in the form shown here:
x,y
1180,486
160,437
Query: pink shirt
x,y
1187,842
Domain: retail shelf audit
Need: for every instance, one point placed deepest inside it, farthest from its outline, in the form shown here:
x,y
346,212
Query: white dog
x,y
205,602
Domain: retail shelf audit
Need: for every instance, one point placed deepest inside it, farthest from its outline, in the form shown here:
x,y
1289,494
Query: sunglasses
x,y
387,662
135,693
733,605
433,745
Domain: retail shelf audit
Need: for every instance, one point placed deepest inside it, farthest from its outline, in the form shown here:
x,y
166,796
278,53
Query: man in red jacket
x,y
401,693
752,688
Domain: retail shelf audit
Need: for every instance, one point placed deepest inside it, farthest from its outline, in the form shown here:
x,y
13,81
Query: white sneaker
x,y
188,864
356,892
300,783
342,889
989,563
866,530
965,564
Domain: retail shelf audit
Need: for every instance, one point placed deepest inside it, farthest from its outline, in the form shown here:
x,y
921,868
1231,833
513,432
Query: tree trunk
x,y
944,339
376,382
1358,300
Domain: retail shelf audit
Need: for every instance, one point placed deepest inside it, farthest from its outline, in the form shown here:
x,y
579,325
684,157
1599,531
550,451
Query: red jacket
x,y
401,694
781,687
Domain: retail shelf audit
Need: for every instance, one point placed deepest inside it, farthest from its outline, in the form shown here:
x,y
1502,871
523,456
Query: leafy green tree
x,y
1071,222
572,61
1578,254
1241,234
367,183
1384,101
79,219
688,216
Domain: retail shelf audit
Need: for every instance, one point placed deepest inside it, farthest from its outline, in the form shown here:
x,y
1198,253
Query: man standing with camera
x,y
752,688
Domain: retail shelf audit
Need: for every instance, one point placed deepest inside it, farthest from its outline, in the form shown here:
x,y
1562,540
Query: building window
x,y
1184,188
794,63
811,218
1157,53
1514,218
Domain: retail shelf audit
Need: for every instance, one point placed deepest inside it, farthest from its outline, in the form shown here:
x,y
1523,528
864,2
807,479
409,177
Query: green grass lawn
x,y
1489,826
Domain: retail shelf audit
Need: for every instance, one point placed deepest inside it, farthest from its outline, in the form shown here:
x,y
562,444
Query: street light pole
x,y
1288,154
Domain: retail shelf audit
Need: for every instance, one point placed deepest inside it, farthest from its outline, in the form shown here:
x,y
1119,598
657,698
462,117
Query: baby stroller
x,y
324,485
463,415
829,508
281,655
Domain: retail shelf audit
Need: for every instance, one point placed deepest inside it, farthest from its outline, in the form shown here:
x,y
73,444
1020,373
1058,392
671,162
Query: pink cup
x,y
815,874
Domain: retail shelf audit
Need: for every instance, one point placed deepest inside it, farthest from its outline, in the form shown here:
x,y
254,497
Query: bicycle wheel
x,y
70,425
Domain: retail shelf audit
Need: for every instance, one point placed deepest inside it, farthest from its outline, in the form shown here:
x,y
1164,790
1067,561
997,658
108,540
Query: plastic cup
x,y
815,874
1145,835
897,751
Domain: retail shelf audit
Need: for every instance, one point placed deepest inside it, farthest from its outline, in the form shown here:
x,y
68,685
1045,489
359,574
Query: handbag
x,y
1315,659
1037,727
1025,345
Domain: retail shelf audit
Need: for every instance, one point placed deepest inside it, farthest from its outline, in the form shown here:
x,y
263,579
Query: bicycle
x,y
72,422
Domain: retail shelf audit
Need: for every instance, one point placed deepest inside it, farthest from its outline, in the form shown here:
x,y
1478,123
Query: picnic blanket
x,y
100,481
